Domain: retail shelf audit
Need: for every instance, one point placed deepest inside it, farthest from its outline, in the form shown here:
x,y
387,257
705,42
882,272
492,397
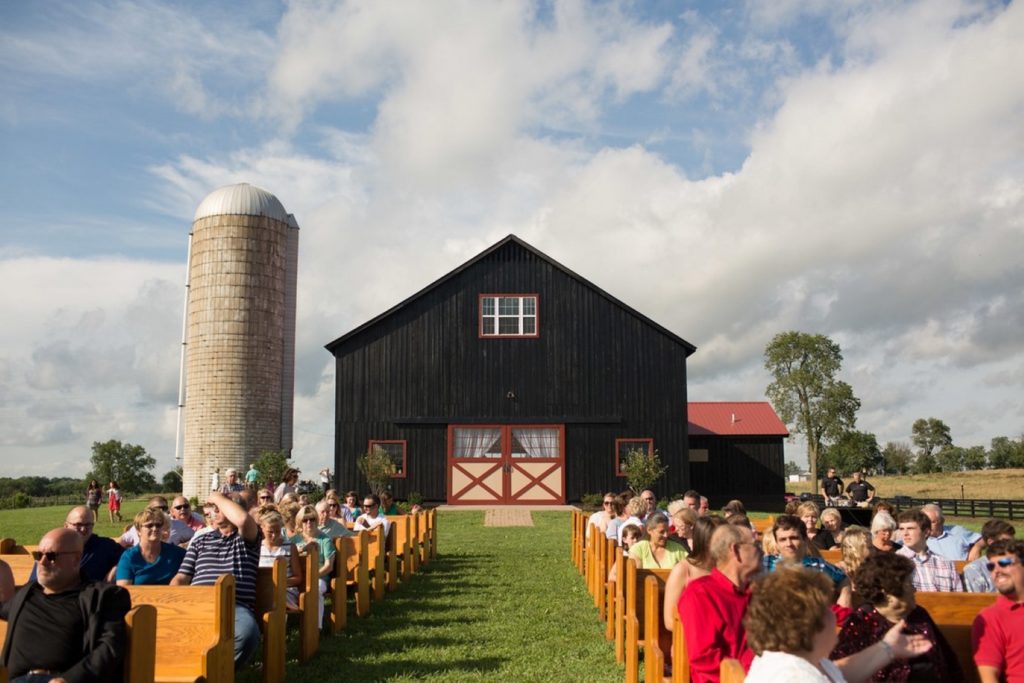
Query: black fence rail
x,y
958,507
951,507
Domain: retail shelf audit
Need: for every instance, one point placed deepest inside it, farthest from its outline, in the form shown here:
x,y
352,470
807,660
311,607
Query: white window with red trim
x,y
396,450
624,446
508,315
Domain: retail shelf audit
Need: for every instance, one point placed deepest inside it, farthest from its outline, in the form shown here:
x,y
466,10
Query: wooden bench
x,y
376,552
308,611
351,555
271,601
731,671
399,551
954,614
21,566
140,653
195,627
8,546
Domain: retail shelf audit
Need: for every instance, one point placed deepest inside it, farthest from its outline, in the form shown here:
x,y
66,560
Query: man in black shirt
x,y
831,486
64,626
860,491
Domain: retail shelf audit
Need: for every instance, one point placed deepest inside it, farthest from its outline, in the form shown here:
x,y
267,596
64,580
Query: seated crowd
x,y
773,603
67,621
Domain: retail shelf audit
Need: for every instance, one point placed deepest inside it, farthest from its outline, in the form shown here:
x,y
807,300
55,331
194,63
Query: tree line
x,y
808,396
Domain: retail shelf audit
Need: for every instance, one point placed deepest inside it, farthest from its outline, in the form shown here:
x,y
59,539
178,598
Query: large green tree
x,y
1006,452
129,465
930,435
897,457
805,391
854,451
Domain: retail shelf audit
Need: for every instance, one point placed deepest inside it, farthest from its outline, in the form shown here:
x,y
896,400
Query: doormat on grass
x,y
508,518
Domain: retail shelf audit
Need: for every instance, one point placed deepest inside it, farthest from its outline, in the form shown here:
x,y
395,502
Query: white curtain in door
x,y
476,442
537,443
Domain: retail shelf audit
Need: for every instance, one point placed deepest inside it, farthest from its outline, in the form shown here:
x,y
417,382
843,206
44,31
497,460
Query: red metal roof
x,y
734,418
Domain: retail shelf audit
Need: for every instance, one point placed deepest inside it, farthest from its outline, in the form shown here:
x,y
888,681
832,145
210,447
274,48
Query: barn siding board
x,y
594,358
745,467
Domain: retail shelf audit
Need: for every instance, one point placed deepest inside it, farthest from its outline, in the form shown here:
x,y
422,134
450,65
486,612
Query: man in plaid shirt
x,y
931,572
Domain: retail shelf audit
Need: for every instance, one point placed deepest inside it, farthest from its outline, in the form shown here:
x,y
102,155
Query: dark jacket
x,y
104,641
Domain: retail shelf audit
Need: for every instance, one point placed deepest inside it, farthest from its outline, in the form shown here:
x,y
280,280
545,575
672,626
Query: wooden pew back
x,y
195,628
21,566
271,587
140,653
954,614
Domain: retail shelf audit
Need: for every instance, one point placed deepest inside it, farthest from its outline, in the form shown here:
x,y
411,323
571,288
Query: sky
x,y
730,169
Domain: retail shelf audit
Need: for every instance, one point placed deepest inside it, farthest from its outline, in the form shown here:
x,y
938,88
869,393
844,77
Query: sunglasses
x,y
1003,562
369,505
308,519
81,525
333,505
50,555
264,497
153,525
186,506
607,502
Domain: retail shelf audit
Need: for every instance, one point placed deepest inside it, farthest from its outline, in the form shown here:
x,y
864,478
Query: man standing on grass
x,y
63,626
977,576
952,542
998,632
233,547
931,572
252,478
712,607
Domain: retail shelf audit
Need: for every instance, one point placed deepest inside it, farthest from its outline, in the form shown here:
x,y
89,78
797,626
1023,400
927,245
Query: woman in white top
x,y
275,545
792,629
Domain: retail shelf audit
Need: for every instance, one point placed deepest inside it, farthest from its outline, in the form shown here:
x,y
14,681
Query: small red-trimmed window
x,y
508,315
396,451
624,446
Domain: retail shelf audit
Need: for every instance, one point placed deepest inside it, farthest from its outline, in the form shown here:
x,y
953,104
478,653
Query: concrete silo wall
x,y
235,337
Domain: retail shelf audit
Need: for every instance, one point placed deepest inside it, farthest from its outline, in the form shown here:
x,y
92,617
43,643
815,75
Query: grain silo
x,y
238,353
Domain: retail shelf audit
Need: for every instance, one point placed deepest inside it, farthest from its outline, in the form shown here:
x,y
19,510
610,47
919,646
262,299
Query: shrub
x,y
642,469
378,468
591,500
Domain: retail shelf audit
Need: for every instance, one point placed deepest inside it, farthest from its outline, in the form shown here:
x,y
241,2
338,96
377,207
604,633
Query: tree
x,y
924,463
854,451
1006,452
271,466
791,468
950,459
974,458
805,391
930,435
642,468
129,465
171,481
378,468
896,457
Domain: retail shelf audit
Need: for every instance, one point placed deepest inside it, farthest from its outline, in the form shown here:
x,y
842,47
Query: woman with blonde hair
x,y
152,561
276,544
308,522
683,518
832,521
819,537
855,547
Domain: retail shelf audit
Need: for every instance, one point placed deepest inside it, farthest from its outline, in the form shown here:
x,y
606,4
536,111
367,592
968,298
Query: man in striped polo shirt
x,y
232,548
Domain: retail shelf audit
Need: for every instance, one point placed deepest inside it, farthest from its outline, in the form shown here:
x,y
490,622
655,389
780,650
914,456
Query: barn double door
x,y
506,464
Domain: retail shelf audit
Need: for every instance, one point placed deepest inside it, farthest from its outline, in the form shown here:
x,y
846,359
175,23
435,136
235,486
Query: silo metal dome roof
x,y
241,199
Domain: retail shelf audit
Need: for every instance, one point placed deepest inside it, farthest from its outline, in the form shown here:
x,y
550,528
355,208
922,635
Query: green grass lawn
x,y
28,525
498,604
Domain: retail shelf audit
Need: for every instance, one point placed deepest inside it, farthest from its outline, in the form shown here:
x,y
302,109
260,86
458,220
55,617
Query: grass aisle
x,y
498,604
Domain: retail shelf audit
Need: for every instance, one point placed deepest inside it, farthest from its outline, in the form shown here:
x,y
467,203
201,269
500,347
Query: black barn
x,y
511,380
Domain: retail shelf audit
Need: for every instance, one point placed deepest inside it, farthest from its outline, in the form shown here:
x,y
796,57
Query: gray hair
x,y
882,520
656,519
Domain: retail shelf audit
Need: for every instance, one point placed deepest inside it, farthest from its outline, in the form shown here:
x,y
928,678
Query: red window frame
x,y
480,315
405,454
650,450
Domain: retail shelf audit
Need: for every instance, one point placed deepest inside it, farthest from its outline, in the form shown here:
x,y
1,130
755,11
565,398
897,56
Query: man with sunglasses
x,y
179,533
998,633
181,510
977,575
372,517
62,626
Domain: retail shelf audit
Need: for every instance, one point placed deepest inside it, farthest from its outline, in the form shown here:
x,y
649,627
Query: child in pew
x,y
275,545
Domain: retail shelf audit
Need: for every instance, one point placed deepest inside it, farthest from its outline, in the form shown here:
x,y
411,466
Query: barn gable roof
x,y
508,241
734,418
